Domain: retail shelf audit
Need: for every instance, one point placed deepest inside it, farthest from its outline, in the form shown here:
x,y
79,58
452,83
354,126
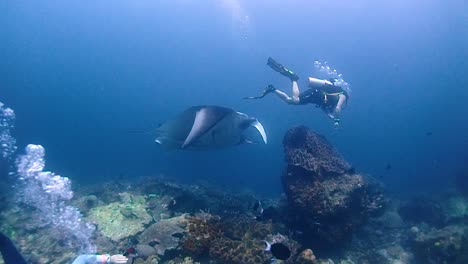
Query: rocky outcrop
x,y
328,200
165,235
123,219
445,245
307,257
312,152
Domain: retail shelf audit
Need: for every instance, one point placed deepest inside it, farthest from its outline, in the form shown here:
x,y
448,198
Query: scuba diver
x,y
323,93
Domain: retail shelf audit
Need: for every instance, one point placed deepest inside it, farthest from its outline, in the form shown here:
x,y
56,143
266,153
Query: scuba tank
x,y
316,83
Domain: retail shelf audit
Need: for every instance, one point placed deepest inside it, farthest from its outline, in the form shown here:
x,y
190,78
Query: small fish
x,y
258,208
388,167
278,250
131,254
428,133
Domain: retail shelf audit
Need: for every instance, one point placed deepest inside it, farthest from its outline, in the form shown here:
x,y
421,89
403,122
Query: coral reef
x,y
242,227
327,199
185,260
202,230
226,250
165,234
193,198
158,206
445,245
308,150
306,257
85,203
33,240
121,219
436,210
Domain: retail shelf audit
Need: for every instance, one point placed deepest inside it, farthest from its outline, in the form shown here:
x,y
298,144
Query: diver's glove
x,y
118,259
282,70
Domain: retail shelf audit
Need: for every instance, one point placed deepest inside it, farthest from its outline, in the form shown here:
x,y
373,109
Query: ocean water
x,y
89,80
81,75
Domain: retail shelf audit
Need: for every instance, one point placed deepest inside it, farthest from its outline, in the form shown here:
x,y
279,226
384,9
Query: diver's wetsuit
x,y
325,97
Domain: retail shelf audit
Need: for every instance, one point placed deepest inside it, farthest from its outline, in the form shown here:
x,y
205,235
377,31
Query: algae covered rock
x,y
326,198
311,151
165,234
85,203
307,257
225,250
201,232
185,260
121,219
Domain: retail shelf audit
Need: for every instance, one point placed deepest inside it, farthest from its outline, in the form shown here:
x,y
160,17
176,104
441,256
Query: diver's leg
x,y
285,97
295,92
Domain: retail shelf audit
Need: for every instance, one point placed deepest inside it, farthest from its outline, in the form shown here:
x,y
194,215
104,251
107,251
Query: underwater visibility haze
x,y
89,92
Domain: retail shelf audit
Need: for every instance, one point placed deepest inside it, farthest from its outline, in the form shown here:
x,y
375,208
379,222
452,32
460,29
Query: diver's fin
x,y
269,89
9,252
282,70
275,65
260,129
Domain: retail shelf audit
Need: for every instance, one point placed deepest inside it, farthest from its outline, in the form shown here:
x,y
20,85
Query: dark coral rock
x,y
326,198
246,228
193,198
311,151
446,245
307,257
202,231
229,251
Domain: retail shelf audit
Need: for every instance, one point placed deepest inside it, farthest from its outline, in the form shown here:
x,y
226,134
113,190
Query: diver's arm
x,y
341,101
99,259
91,259
337,111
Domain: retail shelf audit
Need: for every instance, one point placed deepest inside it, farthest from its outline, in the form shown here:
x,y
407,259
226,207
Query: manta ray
x,y
207,127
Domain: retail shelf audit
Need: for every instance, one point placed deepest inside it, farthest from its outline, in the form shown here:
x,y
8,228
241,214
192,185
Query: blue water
x,y
79,75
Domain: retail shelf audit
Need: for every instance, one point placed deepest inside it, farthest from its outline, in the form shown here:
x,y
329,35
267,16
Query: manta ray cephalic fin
x,y
260,129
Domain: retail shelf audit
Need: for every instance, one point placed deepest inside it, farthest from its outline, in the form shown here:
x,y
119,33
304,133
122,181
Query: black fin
x,y
9,252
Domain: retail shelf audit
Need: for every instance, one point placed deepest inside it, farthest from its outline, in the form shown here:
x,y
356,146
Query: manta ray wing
x,y
206,118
